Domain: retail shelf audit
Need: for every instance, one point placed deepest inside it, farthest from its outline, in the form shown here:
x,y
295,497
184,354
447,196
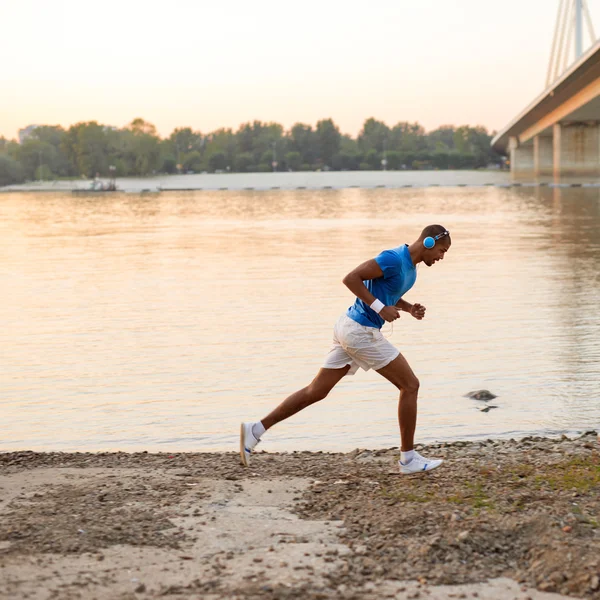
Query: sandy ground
x,y
499,520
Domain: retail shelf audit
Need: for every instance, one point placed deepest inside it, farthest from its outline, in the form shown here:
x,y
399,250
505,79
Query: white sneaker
x,y
247,443
419,464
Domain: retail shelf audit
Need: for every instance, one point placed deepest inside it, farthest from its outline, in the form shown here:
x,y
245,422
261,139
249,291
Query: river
x,y
160,321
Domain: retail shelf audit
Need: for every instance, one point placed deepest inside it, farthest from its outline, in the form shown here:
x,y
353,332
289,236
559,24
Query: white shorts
x,y
358,346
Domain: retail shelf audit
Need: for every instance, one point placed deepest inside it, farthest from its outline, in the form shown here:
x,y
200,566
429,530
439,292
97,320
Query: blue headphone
x,y
429,242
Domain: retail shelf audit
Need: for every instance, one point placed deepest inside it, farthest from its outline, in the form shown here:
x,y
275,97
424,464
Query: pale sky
x,y
209,64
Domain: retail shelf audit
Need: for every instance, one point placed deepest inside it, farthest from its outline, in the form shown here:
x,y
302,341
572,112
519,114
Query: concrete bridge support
x,y
521,159
576,150
543,159
573,151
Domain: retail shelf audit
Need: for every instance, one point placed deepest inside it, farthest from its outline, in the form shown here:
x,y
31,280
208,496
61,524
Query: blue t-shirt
x,y
399,275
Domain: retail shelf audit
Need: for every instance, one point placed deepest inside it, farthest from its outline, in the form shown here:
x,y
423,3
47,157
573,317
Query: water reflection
x,y
146,322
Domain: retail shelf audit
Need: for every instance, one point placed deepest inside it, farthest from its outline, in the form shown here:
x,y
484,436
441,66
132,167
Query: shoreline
x,y
284,181
504,439
500,519
157,450
250,182
82,191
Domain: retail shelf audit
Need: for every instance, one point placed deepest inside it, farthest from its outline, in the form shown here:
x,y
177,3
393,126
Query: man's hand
x,y
417,311
389,313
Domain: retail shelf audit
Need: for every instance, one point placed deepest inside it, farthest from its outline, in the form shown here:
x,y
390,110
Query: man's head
x,y
435,241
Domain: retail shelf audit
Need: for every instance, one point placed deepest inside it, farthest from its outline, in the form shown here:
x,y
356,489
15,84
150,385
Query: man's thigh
x,y
399,373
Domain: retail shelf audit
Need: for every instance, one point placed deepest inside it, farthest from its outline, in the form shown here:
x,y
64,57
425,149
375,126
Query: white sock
x,y
258,429
406,457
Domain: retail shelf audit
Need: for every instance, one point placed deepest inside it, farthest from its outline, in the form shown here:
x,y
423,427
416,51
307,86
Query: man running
x,y
378,285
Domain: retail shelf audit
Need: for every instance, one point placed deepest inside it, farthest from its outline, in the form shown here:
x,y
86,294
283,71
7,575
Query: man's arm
x,y
416,310
354,282
404,305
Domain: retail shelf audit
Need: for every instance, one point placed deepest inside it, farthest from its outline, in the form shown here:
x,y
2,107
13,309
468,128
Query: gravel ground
x,y
499,519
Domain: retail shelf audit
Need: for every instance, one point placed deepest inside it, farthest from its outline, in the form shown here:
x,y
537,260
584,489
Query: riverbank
x,y
334,180
300,180
500,519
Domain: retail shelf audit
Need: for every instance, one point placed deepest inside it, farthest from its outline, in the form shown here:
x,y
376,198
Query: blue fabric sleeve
x,y
390,263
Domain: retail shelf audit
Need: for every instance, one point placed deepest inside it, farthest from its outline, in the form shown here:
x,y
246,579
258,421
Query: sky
x,y
208,64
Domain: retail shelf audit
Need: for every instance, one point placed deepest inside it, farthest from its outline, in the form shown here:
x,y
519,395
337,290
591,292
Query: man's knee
x,y
412,385
317,392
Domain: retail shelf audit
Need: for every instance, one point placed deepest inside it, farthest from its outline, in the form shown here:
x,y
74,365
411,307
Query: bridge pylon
x,y
568,29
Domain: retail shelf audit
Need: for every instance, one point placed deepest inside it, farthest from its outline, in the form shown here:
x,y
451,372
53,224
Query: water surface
x,y
159,322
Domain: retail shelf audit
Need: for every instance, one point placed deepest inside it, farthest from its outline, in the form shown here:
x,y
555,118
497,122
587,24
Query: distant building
x,y
25,134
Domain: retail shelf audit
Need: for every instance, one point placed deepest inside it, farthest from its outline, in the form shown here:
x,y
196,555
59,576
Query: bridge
x,y
558,134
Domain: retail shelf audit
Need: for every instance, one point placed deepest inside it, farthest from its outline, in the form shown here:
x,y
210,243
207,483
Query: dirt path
x,y
496,521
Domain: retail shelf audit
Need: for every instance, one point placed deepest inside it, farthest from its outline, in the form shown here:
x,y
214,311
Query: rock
x,y
484,395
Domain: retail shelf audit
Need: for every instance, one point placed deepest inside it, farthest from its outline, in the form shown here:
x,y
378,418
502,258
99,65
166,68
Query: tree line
x,y
89,149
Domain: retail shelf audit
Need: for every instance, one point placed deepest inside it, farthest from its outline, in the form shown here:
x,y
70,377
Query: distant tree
x,y
182,141
372,158
440,159
11,148
243,162
51,134
86,147
169,164
441,138
44,173
222,141
347,161
10,170
407,137
267,158
144,147
394,160
33,154
217,161
374,135
258,139
141,127
328,140
349,157
474,142
303,139
293,160
54,136
193,162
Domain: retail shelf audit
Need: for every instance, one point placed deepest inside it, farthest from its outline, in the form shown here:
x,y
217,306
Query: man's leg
x,y
321,385
318,389
401,375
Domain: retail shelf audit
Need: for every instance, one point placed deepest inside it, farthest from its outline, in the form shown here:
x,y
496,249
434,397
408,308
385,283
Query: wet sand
x,y
499,519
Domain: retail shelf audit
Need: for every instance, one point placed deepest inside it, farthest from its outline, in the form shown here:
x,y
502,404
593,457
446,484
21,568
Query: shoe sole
x,y
420,472
242,447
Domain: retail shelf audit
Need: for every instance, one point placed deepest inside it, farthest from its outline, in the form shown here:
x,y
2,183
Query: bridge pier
x,y
576,150
521,159
543,159
573,152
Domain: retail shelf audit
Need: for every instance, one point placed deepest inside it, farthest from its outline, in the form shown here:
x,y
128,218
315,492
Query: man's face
x,y
436,253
